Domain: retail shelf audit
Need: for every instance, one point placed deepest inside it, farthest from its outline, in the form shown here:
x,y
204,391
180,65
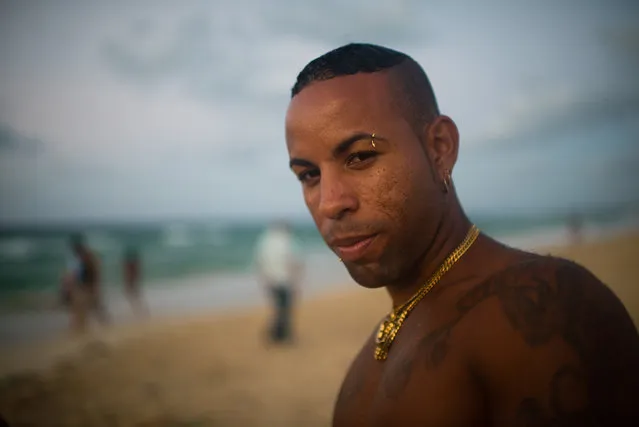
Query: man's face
x,y
377,207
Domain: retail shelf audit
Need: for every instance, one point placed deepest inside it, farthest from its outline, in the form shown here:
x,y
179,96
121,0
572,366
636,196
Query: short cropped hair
x,y
408,79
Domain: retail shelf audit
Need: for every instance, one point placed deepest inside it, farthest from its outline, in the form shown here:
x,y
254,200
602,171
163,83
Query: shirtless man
x,y
505,338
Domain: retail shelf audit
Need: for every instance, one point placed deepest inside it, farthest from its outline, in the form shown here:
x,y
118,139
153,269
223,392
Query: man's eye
x,y
308,175
360,157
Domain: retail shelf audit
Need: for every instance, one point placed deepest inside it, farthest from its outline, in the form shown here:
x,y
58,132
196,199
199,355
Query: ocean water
x,y
32,258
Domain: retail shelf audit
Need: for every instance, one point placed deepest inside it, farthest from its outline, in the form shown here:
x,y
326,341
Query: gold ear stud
x,y
373,141
447,182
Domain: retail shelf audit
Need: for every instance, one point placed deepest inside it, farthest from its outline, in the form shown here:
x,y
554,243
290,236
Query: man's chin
x,y
367,276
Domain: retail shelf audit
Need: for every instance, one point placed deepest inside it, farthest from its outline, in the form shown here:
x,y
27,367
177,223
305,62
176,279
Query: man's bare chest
x,y
407,389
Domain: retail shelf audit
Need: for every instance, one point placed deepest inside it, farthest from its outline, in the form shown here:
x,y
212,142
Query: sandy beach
x,y
215,370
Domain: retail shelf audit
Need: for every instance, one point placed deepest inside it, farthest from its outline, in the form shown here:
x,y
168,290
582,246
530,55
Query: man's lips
x,y
352,248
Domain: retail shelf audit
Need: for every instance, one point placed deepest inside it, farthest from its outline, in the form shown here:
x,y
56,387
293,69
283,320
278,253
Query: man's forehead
x,y
330,97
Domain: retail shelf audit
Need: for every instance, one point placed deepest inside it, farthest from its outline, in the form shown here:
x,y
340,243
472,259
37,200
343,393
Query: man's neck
x,y
454,228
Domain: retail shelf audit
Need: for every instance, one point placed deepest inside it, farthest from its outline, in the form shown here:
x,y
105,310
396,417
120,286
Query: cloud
x,y
195,55
624,39
337,22
11,142
543,114
250,50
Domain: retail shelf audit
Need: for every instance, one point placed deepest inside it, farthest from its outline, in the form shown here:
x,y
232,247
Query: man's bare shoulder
x,y
552,344
359,370
356,389
543,293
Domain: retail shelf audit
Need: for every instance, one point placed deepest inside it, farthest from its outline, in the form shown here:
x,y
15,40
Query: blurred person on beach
x,y
132,275
279,268
575,229
477,333
70,275
86,294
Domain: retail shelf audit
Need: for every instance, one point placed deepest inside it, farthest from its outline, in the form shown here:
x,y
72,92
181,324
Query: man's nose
x,y
336,197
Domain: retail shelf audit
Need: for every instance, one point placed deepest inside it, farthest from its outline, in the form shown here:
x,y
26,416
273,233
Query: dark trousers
x,y
282,303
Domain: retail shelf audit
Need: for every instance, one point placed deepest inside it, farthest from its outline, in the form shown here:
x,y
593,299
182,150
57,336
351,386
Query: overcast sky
x,y
152,109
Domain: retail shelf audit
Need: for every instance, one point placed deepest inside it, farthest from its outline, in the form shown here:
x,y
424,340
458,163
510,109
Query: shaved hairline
x,y
413,93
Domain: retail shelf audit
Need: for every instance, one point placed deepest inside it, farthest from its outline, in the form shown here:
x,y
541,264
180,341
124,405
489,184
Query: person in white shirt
x,y
279,268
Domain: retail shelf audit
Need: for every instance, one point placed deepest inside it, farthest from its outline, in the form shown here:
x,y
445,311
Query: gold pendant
x,y
384,331
385,334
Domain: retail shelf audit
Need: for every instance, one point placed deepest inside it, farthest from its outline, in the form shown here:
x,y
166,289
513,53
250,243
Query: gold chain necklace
x,y
389,328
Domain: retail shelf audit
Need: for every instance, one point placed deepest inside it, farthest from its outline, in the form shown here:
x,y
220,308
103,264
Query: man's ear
x,y
442,143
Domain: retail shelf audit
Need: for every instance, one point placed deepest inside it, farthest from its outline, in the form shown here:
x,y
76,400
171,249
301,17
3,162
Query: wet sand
x,y
216,370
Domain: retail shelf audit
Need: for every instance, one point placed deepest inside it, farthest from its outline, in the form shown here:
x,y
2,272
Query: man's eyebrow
x,y
343,146
300,162
340,148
